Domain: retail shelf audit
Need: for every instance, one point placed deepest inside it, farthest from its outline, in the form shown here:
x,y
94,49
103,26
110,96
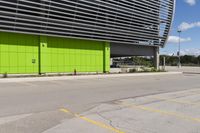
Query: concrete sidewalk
x,y
33,79
184,69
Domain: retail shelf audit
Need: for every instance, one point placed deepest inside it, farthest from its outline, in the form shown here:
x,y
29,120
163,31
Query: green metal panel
x,y
18,53
67,55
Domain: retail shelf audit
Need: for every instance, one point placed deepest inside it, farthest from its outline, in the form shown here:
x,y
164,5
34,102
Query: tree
x,y
188,60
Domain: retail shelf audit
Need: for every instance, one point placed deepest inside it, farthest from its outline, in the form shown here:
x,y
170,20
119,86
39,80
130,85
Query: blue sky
x,y
187,18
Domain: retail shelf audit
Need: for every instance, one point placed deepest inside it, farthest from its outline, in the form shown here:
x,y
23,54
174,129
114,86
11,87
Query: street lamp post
x,y
179,49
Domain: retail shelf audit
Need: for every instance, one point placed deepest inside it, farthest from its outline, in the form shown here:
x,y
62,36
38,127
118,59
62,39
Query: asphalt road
x,y
101,105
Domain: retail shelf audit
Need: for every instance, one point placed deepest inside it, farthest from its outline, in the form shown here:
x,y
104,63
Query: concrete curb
x,y
33,79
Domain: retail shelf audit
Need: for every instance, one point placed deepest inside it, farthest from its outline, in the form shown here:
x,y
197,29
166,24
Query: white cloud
x,y
191,2
186,26
192,51
175,39
169,53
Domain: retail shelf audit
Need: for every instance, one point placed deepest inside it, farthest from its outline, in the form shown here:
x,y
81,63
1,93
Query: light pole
x,y
179,49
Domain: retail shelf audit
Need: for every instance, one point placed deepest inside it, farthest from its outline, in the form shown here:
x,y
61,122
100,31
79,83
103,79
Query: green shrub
x,y
133,70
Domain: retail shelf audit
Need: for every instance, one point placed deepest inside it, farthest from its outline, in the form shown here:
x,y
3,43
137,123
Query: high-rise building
x,y
51,36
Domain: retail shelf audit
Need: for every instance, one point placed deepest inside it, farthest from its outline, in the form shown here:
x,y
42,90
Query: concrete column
x,y
42,45
107,57
156,57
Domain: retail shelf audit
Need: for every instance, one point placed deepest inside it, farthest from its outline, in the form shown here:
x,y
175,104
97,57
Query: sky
x,y
187,19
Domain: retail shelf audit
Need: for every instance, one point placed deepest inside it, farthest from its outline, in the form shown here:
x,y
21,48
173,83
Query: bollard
x,y
5,75
75,73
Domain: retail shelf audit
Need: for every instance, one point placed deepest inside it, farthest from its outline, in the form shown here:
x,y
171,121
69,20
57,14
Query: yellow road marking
x,y
176,101
162,112
65,111
99,124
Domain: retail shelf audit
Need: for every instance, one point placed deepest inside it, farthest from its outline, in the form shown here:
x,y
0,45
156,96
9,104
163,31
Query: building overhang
x,y
124,50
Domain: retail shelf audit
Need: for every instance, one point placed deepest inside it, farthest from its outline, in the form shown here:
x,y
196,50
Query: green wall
x,y
20,53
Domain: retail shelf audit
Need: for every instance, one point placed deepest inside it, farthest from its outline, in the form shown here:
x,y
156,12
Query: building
x,y
52,36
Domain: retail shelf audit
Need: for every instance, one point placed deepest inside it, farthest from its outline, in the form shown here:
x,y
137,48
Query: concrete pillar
x,y
107,57
156,57
42,46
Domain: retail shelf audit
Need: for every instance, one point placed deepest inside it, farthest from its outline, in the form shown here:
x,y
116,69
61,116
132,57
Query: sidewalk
x,y
184,69
33,79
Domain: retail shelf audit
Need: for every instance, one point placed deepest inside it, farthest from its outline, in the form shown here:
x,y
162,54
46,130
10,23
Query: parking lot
x,y
132,104
176,112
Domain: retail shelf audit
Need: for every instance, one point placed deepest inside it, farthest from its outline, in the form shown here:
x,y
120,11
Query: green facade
x,y
20,54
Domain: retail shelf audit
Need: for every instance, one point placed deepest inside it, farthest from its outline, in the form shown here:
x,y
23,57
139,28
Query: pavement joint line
x,y
173,99
194,93
162,112
99,124
191,91
176,101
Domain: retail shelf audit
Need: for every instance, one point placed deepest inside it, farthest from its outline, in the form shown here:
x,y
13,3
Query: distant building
x,y
53,36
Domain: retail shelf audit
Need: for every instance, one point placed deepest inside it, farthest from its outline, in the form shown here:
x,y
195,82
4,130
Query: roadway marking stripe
x,y
99,124
162,112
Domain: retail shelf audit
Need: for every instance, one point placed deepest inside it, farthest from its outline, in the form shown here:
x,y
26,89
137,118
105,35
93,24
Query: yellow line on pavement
x,y
99,124
162,112
66,111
